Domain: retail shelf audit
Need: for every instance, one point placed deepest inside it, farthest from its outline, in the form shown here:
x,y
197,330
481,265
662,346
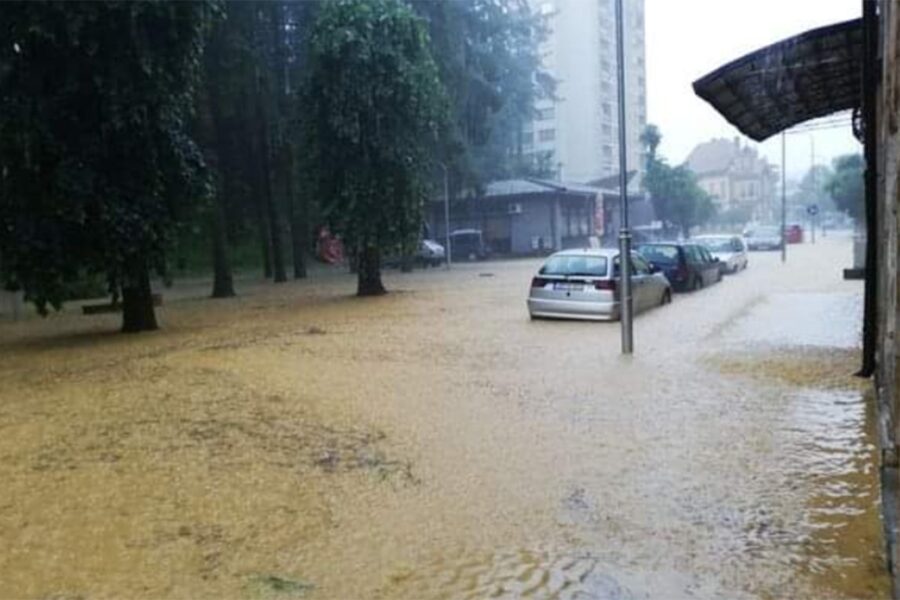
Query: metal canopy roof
x,y
810,75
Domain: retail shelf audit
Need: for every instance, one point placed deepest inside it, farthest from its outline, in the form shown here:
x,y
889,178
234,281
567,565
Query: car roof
x,y
717,236
667,244
606,252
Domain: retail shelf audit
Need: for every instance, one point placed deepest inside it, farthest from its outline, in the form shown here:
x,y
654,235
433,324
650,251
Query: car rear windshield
x,y
767,232
660,254
717,244
588,266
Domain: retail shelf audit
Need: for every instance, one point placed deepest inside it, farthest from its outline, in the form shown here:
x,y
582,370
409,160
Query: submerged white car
x,y
729,249
584,284
431,253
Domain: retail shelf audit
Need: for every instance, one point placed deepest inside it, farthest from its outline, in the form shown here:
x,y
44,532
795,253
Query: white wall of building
x,y
580,127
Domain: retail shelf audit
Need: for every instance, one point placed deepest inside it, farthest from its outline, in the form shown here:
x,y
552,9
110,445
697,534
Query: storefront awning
x,y
814,74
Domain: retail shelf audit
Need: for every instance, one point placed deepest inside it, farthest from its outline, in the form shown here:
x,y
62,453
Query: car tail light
x,y
605,284
539,282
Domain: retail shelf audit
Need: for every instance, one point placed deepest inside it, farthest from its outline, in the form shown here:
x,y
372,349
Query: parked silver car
x,y
763,237
729,249
584,284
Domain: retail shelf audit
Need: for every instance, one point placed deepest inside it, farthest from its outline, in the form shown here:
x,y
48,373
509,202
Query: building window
x,y
607,109
577,221
527,137
606,87
545,114
607,151
607,130
547,135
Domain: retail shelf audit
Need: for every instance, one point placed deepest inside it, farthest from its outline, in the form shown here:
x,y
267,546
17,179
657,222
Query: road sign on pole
x,y
812,210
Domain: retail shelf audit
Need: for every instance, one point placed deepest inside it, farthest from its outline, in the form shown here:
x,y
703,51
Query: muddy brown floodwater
x,y
435,443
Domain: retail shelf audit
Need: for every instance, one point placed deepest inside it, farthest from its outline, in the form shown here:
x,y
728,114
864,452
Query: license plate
x,y
568,287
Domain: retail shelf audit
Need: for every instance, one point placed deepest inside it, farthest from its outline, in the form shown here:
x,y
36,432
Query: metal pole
x,y
815,191
449,260
783,200
625,300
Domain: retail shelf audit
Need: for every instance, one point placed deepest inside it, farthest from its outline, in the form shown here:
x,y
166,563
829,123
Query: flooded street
x,y
435,443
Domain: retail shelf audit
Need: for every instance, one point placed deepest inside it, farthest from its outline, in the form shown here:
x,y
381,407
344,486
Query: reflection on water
x,y
511,574
437,444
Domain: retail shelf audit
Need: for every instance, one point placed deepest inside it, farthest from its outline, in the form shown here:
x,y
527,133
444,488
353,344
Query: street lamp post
x,y
625,300
449,260
783,201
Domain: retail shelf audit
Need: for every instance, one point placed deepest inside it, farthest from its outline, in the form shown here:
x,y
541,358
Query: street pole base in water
x,y
626,313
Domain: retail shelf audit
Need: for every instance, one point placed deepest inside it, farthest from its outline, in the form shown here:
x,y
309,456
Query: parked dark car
x,y
687,266
467,244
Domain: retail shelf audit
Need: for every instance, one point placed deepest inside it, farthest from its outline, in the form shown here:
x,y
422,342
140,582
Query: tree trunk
x,y
274,218
265,240
299,231
137,300
369,272
223,282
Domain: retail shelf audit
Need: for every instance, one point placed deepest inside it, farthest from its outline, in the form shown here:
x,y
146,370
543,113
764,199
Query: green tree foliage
x,y
846,185
813,188
487,53
374,103
677,198
97,165
651,138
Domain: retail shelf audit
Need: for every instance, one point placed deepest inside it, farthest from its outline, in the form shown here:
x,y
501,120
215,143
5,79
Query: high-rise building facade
x,y
580,125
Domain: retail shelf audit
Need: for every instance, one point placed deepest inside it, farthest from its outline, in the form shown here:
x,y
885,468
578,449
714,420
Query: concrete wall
x,y
536,221
888,169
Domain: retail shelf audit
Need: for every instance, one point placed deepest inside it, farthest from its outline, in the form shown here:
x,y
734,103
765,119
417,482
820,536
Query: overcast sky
x,y
688,38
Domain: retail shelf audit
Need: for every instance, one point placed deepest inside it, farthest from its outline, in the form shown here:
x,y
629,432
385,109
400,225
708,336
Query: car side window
x,y
707,257
693,256
617,271
737,245
640,265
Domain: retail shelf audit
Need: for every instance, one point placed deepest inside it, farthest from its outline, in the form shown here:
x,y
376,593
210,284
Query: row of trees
x,y
678,199
129,130
676,196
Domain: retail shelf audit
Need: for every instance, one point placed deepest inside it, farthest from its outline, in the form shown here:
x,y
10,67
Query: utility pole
x,y
783,199
815,190
625,302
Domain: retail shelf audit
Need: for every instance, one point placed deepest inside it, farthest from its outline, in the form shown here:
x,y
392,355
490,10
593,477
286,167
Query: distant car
x,y
729,249
467,244
584,284
431,253
763,238
687,266
793,234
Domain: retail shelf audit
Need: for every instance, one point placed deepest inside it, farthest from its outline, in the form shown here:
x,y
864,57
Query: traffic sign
x,y
812,210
